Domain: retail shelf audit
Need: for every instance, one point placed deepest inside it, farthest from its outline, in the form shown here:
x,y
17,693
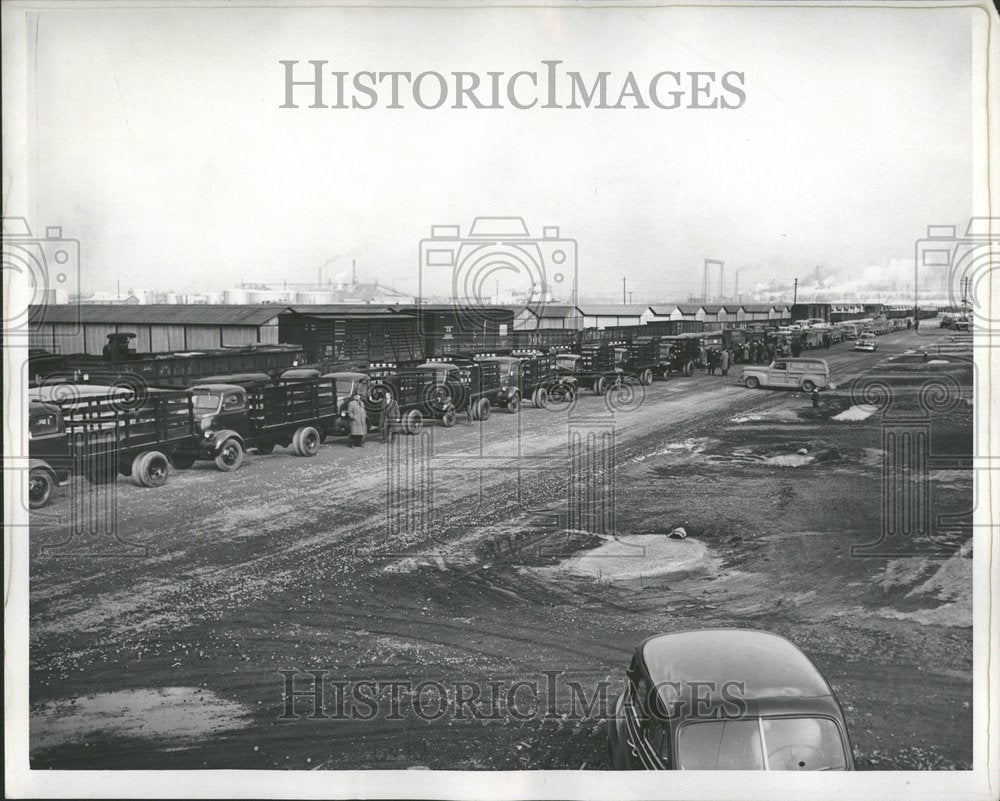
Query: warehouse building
x,y
549,316
610,316
73,328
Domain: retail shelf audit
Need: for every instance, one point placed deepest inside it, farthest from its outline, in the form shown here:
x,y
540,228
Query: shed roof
x,y
613,310
156,314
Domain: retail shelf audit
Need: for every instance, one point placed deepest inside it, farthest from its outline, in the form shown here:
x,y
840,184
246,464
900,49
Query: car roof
x,y
801,360
346,374
504,359
764,670
37,407
217,388
232,378
438,366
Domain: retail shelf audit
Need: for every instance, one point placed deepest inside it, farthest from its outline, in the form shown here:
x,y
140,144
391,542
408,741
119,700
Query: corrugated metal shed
x,y
611,310
155,314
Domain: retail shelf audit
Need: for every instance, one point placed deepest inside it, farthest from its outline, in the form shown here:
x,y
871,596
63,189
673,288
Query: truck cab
x,y
50,459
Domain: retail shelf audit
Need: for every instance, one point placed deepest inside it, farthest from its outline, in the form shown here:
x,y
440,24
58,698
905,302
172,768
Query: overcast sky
x,y
162,147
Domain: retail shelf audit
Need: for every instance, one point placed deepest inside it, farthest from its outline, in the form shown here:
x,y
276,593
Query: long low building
x,y
74,328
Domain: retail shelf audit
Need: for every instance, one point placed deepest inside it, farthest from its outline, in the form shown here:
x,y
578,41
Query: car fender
x,y
53,473
616,735
218,437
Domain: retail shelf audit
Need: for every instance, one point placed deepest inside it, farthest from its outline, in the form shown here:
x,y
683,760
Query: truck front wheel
x,y
514,404
600,385
230,455
540,398
40,487
689,369
646,377
483,409
448,418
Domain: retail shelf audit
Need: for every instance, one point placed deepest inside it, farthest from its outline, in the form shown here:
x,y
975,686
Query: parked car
x,y
726,699
800,373
51,461
866,342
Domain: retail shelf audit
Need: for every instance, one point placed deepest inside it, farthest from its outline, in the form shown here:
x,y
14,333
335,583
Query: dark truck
x,y
687,351
481,385
232,418
101,433
594,367
529,374
50,461
642,358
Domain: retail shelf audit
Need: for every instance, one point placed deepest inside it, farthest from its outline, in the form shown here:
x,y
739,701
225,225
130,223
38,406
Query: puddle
x,y
684,448
861,411
170,713
640,556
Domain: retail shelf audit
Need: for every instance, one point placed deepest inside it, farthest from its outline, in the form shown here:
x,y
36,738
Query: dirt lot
x,y
172,659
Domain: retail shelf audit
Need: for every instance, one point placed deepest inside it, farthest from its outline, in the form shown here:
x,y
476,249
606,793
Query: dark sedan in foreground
x,y
726,699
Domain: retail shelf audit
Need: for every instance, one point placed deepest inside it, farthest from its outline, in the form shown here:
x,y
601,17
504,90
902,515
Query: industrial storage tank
x,y
316,296
236,297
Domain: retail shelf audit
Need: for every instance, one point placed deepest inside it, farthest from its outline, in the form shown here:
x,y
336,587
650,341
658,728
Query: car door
x,y
777,374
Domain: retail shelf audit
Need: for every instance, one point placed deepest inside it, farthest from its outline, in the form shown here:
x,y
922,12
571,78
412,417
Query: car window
x,y
720,745
803,744
43,424
232,401
779,366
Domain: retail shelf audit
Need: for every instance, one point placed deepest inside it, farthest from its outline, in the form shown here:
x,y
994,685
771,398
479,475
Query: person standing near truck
x,y
359,421
389,420
724,361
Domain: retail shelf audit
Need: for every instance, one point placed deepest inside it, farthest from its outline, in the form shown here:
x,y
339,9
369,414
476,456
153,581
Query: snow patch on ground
x,y
640,556
951,583
861,411
169,713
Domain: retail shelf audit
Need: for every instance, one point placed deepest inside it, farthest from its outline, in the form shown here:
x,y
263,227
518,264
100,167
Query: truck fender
x,y
218,437
41,464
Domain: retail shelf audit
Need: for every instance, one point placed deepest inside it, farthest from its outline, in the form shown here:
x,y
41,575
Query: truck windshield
x,y
205,401
798,743
566,362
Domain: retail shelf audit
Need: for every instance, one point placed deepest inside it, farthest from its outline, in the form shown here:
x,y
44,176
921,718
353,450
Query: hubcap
x,y
229,455
36,488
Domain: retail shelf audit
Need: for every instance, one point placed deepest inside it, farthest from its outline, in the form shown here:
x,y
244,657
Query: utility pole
x,y
795,292
624,300
630,298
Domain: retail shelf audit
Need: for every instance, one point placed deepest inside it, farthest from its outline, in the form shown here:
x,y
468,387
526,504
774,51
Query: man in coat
x,y
724,361
359,421
389,421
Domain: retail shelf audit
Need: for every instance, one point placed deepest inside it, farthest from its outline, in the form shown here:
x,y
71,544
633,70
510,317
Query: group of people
x,y
357,414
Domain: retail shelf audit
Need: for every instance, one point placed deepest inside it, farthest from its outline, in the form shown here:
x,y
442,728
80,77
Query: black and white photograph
x,y
480,400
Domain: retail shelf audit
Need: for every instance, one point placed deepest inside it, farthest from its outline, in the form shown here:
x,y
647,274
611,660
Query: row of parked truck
x,y
128,428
